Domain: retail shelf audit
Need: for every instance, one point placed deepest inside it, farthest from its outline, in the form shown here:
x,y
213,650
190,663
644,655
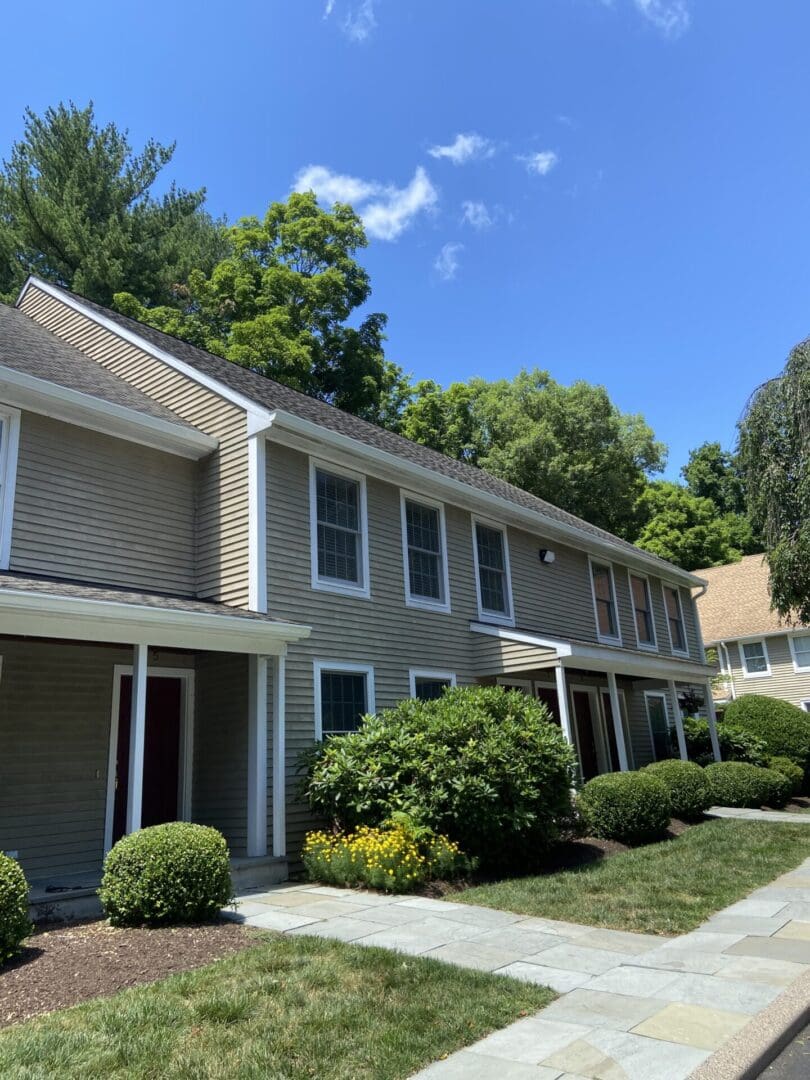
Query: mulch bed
x,y
61,967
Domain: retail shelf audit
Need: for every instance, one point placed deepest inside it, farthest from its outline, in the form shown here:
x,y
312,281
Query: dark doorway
x,y
548,695
586,736
161,757
613,749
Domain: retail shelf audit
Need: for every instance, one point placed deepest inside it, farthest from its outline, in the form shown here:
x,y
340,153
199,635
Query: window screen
x,y
492,570
675,619
423,527
343,701
754,658
605,608
339,536
428,689
643,610
801,649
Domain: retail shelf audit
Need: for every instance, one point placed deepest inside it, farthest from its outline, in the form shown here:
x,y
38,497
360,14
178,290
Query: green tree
x,y
686,529
279,303
774,450
76,209
714,473
567,444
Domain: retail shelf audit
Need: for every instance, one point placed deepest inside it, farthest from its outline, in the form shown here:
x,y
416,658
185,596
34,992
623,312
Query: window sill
x,y
359,592
427,605
494,619
756,674
608,640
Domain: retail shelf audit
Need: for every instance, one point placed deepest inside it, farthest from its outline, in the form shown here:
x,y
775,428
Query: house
x,y
203,571
756,652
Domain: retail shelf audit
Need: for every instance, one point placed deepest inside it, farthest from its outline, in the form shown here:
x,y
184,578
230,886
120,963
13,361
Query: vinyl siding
x,y
783,682
221,526
95,508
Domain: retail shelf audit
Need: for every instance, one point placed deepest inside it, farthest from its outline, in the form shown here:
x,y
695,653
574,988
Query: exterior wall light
x,y
547,556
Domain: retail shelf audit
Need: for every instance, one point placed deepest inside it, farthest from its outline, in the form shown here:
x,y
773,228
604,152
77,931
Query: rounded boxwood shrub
x,y
735,783
630,806
175,873
782,727
689,790
480,765
735,744
15,926
789,769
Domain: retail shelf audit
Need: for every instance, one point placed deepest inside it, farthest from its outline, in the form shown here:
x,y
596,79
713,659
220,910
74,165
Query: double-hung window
x,y
344,693
604,599
491,553
425,554
428,685
338,531
800,647
9,444
643,612
677,630
754,658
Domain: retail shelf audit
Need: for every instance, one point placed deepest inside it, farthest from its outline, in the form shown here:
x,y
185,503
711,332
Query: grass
x,y
291,1008
666,888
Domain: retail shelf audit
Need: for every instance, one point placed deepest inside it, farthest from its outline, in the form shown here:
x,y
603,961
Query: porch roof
x,y
61,608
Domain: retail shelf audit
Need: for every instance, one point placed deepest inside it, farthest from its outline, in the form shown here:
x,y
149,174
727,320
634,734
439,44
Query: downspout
x,y
724,647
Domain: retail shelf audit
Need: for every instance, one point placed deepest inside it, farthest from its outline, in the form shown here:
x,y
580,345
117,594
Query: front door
x,y
161,757
659,724
548,695
585,722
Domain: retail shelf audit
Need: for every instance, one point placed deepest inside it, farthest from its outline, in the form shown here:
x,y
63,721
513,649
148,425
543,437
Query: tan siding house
x,y
208,571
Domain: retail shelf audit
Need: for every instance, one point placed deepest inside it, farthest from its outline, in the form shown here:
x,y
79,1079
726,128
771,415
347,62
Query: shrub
x,y
782,727
482,766
15,926
175,873
630,806
735,744
789,769
735,783
689,790
390,858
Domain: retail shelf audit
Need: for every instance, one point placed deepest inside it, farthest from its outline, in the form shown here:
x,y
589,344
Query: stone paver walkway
x,y
758,815
632,1006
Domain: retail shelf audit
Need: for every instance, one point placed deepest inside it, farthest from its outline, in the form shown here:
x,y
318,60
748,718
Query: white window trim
x,y
9,452
320,666
806,705
677,591
797,667
485,616
605,639
755,674
344,588
648,646
424,602
428,673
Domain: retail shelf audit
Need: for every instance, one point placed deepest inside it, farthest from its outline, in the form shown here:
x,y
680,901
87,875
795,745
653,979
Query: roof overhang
x,y
62,403
43,615
574,654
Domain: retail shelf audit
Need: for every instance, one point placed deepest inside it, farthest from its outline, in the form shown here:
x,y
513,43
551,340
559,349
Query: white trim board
x,y
9,454
428,673
361,589
746,674
350,668
607,639
506,618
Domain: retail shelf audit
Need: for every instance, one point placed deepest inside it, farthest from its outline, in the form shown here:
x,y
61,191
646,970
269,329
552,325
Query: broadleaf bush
x,y
736,783
783,728
15,926
631,807
689,790
483,766
174,873
789,769
735,743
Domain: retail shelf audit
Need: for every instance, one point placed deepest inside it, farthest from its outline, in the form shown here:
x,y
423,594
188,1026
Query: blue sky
x,y
614,190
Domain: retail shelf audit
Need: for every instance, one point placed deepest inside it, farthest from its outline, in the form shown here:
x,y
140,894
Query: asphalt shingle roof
x,y
737,603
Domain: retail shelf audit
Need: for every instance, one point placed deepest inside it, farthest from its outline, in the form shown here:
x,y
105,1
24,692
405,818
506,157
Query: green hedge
x,y
735,783
789,769
175,873
15,926
630,806
782,727
481,765
689,790
735,744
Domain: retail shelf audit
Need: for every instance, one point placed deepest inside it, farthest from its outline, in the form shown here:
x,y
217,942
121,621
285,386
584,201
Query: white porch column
x,y
257,757
279,758
137,738
676,712
562,704
711,714
618,726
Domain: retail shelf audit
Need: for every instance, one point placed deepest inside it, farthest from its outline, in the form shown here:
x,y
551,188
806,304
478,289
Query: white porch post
x,y
711,714
676,712
137,738
257,757
279,758
618,726
562,704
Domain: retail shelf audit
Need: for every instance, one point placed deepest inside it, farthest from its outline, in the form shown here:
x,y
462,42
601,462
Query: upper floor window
x,y
642,611
338,530
800,647
754,657
677,630
604,598
492,573
9,444
344,693
429,685
425,553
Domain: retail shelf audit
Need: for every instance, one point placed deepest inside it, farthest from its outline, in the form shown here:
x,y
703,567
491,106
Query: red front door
x,y
161,758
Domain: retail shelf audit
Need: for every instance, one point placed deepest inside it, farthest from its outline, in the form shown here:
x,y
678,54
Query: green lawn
x,y
666,888
289,1008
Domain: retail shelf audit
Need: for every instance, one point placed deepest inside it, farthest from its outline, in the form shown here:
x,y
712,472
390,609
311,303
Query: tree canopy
x,y
568,444
714,473
687,529
76,209
774,450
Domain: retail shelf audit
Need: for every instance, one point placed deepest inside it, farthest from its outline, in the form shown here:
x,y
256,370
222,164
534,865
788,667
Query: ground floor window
x,y
344,693
429,685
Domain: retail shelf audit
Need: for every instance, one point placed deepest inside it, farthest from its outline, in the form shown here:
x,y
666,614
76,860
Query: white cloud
x,y
447,261
360,21
330,7
476,214
540,163
671,17
386,210
464,148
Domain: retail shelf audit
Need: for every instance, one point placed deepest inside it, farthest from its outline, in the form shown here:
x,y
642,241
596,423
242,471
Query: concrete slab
x,y
560,979
595,1008
701,963
736,995
419,937
692,1025
579,958
634,981
760,969
279,920
344,928
797,931
529,1041
615,1055
749,926
467,1066
757,909
526,942
485,918
621,941
773,948
475,955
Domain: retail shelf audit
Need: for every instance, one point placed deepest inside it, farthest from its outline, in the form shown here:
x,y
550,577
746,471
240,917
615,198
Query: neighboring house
x,y
756,652
202,571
